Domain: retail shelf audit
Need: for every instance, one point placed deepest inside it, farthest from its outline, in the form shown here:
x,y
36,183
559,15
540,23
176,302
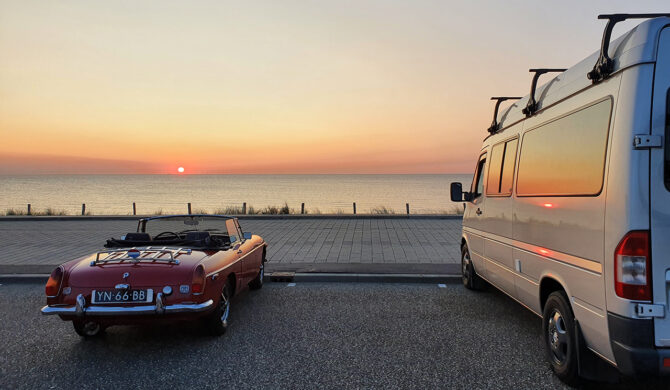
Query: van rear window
x,y
566,156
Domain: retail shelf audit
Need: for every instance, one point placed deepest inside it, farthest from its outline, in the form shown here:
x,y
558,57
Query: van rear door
x,y
660,190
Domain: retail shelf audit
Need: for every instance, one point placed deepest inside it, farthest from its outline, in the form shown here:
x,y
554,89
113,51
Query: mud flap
x,y
591,366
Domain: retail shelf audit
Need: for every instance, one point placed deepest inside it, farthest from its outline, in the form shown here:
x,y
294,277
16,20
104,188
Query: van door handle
x,y
479,212
239,252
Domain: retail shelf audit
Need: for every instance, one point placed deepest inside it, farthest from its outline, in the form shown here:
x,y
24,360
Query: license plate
x,y
122,296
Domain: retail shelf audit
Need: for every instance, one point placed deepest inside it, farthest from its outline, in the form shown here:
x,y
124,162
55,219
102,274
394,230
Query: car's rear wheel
x,y
558,325
257,283
470,279
88,329
217,322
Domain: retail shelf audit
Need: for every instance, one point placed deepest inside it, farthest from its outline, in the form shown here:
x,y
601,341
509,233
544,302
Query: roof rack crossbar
x,y
499,99
605,65
531,106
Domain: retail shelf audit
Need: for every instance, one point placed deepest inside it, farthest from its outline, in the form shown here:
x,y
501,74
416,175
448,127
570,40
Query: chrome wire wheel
x,y
557,337
257,283
224,305
88,329
91,328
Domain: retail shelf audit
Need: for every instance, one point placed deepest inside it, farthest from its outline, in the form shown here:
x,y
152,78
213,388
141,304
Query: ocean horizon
x,y
111,194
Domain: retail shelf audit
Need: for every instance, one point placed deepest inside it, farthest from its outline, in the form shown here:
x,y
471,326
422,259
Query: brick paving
x,y
290,241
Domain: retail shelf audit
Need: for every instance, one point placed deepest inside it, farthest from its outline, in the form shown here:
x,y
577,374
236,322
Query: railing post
x,y
134,209
302,208
407,207
244,207
83,209
354,207
189,207
29,209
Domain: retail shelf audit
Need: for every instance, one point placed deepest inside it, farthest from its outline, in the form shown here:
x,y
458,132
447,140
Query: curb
x,y
288,277
43,270
283,277
241,217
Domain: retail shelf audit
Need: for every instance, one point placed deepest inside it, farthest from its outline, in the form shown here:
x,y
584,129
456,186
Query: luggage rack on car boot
x,y
120,255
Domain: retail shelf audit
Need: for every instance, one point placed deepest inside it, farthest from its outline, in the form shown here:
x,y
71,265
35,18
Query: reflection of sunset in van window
x,y
566,156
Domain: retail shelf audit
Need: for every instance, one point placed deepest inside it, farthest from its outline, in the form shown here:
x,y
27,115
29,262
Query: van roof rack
x,y
499,99
531,107
605,65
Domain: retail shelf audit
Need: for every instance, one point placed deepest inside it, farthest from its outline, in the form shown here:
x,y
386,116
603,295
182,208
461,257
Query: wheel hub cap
x,y
558,337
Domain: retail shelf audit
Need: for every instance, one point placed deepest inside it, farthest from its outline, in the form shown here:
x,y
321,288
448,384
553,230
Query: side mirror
x,y
457,194
247,235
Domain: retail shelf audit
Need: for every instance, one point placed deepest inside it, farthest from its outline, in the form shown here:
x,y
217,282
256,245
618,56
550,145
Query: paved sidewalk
x,y
346,244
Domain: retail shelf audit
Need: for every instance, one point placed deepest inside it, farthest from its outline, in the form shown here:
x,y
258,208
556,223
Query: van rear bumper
x,y
633,346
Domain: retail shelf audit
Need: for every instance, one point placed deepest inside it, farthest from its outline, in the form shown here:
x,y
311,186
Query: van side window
x,y
666,171
478,182
495,165
566,156
501,168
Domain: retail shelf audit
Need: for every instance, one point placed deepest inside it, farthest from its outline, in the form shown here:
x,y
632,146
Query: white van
x,y
569,209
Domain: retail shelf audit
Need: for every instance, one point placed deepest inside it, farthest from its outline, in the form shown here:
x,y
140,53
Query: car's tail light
x,y
632,267
53,284
198,284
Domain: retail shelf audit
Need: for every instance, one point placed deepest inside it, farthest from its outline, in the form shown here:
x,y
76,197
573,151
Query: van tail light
x,y
632,267
198,284
54,283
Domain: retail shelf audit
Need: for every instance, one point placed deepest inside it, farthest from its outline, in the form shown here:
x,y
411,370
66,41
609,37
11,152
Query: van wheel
x,y
471,280
558,326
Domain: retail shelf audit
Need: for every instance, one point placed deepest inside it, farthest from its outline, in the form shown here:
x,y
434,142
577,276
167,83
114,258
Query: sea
x,y
169,194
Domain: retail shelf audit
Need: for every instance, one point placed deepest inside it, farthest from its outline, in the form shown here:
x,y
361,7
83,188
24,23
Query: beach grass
x,y
284,209
49,211
382,210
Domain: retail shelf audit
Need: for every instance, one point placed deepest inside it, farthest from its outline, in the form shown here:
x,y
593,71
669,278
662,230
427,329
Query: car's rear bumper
x,y
633,347
80,308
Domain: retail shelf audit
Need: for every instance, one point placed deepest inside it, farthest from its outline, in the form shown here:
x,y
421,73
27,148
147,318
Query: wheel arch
x,y
548,285
231,279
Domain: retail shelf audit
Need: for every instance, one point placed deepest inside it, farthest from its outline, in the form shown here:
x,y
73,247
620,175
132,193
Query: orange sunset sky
x,y
272,86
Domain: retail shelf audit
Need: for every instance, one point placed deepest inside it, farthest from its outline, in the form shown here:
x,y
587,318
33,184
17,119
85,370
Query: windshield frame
x,y
142,223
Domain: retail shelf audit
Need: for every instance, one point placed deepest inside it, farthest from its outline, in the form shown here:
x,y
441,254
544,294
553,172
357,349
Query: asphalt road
x,y
312,335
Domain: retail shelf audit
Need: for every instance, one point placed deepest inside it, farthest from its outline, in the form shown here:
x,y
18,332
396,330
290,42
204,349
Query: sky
x,y
273,87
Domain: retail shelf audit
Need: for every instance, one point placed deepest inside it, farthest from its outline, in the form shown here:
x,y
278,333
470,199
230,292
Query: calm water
x,y
114,194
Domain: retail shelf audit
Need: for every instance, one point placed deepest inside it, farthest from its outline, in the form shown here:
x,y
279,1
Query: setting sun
x,y
180,169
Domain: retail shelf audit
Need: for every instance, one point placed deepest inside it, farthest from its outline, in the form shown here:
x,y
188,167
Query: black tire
x,y
217,322
88,329
470,279
257,283
558,329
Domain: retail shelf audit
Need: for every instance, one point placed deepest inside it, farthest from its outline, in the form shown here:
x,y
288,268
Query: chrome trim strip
x,y
586,264
240,258
128,310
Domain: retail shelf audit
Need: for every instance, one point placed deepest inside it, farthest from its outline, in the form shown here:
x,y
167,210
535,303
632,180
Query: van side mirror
x,y
247,235
457,194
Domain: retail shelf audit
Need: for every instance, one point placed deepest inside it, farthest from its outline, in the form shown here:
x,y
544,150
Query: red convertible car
x,y
177,267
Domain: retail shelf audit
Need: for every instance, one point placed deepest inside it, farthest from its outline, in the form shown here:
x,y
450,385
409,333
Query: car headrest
x,y
197,236
137,237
